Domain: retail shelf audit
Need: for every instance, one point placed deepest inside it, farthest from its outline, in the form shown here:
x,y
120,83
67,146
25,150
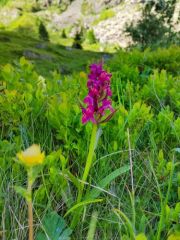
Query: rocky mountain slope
x,y
107,18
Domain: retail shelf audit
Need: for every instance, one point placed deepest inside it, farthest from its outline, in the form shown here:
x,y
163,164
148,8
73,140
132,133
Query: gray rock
x,y
111,31
8,15
41,45
30,54
69,48
63,70
34,55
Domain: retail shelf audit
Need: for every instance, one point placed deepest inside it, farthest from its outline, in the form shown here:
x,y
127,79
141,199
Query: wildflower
x,y
99,92
82,74
31,156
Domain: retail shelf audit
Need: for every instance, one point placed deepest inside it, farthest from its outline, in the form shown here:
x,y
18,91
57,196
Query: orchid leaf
x,y
105,181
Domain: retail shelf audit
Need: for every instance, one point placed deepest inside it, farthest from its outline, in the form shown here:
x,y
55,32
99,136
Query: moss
x,y
105,14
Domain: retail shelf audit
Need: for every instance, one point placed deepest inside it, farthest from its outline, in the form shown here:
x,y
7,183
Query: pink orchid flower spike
x,y
98,99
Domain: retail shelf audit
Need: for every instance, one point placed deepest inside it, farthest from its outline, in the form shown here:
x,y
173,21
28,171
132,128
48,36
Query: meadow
x,y
132,189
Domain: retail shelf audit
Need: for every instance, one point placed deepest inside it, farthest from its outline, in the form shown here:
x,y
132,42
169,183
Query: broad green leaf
x,y
177,207
35,172
141,236
174,236
82,204
176,212
10,75
23,192
168,211
63,160
24,62
142,223
105,181
54,228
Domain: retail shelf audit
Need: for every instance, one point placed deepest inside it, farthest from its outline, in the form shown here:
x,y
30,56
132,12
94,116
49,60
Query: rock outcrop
x,y
112,30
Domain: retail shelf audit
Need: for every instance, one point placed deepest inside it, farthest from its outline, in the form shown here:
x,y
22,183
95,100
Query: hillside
x,y
108,19
46,56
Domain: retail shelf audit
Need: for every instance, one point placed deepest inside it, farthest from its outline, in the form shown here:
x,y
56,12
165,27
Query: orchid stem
x,y
86,171
88,161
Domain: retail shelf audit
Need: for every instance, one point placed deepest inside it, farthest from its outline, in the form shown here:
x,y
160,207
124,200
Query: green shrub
x,y
43,33
78,39
104,15
145,62
27,24
90,37
155,28
3,2
63,34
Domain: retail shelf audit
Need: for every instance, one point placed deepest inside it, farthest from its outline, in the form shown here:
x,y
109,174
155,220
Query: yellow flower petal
x,y
31,156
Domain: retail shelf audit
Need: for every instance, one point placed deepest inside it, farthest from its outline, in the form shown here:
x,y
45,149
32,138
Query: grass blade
x,y
81,204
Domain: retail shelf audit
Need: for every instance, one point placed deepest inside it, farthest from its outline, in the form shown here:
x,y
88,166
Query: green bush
x,y
78,39
63,34
43,33
3,2
90,37
27,24
155,28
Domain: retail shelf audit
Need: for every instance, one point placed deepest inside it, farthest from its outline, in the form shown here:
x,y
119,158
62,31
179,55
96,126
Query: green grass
x,y
3,2
13,45
28,24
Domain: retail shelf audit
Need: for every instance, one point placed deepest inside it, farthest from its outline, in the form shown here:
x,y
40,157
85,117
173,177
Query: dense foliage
x,y
156,27
43,33
145,128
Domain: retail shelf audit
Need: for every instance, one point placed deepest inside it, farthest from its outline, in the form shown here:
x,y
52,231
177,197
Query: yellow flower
x,y
31,156
82,74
